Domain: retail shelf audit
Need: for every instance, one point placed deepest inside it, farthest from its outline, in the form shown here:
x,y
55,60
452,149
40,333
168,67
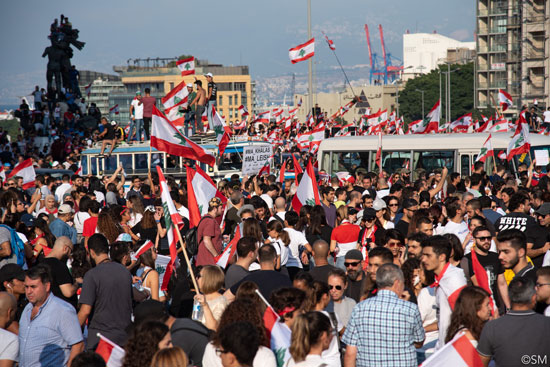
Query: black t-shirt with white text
x,y
214,88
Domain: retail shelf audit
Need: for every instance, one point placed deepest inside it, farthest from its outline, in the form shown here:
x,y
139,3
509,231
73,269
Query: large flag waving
x,y
433,118
308,191
459,352
462,123
329,42
112,354
167,138
200,189
520,141
223,132
504,99
223,259
172,220
176,96
486,151
279,335
187,66
24,170
302,52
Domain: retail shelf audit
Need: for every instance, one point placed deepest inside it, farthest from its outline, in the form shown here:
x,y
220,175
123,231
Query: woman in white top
x,y
312,334
241,309
280,239
210,280
136,210
343,306
149,275
428,313
383,213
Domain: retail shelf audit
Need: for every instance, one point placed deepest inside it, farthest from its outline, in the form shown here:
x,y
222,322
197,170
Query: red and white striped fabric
x,y
504,99
143,249
243,111
308,191
302,52
25,170
279,335
223,132
263,117
462,123
459,352
186,66
176,96
114,110
329,43
88,89
200,189
486,151
223,259
111,353
499,126
520,142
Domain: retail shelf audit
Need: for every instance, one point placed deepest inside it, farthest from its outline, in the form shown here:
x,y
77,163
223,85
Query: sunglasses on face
x,y
393,204
484,238
351,264
337,287
394,244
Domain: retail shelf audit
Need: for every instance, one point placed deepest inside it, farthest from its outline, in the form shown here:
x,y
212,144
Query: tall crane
x,y
390,71
373,58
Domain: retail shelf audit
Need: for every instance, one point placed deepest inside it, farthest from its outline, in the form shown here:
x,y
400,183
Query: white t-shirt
x,y
428,311
279,214
546,115
268,200
61,190
297,239
138,109
546,260
459,229
331,356
9,346
281,249
79,219
264,357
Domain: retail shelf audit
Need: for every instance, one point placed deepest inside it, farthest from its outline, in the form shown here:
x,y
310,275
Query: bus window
x,y
141,162
109,164
173,163
84,164
230,162
157,159
430,160
126,161
392,161
465,165
325,161
93,165
348,161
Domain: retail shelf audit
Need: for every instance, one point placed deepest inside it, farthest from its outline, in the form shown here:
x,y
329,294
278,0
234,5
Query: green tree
x,y
462,94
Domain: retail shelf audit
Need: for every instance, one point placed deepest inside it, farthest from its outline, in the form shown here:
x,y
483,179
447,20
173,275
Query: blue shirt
x,y
384,328
46,340
60,228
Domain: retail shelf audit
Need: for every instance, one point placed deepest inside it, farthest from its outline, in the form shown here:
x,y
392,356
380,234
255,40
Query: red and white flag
x,y
302,52
279,335
223,132
282,173
200,189
3,174
186,66
462,123
329,42
379,154
300,103
504,99
459,352
79,168
114,110
24,170
486,151
433,117
176,96
167,138
266,168
243,111
499,126
88,89
112,354
502,154
223,259
173,222
263,117
143,249
520,142
307,192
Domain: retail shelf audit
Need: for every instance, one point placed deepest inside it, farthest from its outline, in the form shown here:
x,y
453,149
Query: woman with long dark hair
x,y
280,239
107,226
146,339
472,310
318,228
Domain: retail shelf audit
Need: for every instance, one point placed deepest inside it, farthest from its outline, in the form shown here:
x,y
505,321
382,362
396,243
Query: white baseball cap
x,y
189,85
209,74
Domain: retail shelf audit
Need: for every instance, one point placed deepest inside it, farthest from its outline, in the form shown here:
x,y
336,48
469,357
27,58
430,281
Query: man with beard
x,y
491,264
512,253
63,285
106,297
414,248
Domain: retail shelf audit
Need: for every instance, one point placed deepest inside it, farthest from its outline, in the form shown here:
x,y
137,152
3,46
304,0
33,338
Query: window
x,y
171,85
126,161
236,99
348,161
464,165
230,99
220,101
430,160
84,164
230,112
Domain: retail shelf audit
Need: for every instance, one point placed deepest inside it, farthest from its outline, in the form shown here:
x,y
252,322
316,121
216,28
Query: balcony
x,y
499,84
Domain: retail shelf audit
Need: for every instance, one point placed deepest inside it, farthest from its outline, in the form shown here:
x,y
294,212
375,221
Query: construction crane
x,y
373,58
391,71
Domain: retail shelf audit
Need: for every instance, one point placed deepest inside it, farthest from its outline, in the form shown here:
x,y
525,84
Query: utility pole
x,y
310,61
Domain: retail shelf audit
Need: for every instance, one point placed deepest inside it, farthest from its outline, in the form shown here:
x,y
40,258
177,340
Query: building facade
x,y
513,52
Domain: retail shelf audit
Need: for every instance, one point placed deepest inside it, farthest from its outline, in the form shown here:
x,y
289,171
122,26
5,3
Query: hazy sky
x,y
257,33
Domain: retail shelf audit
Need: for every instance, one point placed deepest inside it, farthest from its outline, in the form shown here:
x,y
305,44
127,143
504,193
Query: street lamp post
x,y
422,92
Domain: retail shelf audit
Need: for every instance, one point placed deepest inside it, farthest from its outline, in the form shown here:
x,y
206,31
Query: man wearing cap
x,y
190,111
199,102
212,98
136,107
148,103
538,242
59,226
12,280
209,234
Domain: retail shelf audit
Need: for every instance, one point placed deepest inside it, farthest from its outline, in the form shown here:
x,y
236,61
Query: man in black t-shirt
x,y
63,285
491,264
211,97
107,136
538,240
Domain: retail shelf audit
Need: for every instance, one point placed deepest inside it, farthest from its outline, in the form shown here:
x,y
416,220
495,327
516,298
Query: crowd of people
x,y
381,272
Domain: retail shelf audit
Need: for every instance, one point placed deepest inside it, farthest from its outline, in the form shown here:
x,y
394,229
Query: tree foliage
x,y
462,93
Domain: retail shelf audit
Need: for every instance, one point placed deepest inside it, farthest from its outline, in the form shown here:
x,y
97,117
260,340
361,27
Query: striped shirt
x,y
384,329
46,340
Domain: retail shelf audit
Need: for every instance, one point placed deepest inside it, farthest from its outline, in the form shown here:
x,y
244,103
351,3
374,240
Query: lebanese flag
x,y
111,353
263,117
500,126
223,259
487,125
459,352
504,99
300,102
223,132
520,142
173,222
243,111
79,168
25,170
482,277
239,126
282,173
3,174
143,249
434,116
486,151
167,138
187,66
502,154
302,52
316,136
462,123
297,168
415,126
307,192
200,189
176,96
279,335
114,110
88,89
376,118
379,153
288,124
330,43
266,168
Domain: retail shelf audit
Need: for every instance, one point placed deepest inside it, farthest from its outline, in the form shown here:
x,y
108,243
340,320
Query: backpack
x,y
191,240
17,247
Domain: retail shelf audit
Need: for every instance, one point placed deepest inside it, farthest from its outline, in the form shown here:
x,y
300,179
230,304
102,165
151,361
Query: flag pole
x,y
182,244
497,106
494,160
341,68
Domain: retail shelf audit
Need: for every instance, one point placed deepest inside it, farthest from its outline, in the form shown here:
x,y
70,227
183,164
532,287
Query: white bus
x,y
456,151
